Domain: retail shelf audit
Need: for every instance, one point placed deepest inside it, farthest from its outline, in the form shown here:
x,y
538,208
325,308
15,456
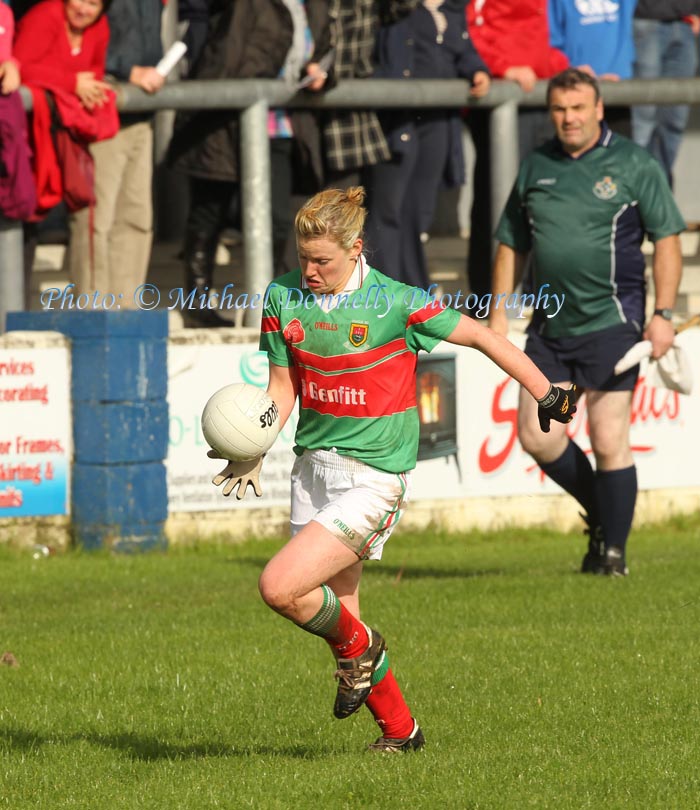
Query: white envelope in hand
x,y
672,371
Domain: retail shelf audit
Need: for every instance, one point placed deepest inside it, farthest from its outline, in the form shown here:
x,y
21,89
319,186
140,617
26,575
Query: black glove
x,y
557,404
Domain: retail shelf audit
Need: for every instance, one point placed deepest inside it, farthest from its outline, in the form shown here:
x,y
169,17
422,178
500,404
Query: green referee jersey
x,y
584,219
355,355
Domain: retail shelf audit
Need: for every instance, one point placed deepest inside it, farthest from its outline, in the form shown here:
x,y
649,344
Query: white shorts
x,y
356,503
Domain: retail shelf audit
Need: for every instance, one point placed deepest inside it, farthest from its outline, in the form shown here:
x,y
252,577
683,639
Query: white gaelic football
x,y
240,422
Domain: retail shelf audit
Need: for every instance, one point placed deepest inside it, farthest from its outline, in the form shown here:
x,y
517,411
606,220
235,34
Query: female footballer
x,y
351,363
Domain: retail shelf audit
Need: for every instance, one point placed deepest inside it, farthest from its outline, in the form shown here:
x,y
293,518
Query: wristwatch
x,y
666,314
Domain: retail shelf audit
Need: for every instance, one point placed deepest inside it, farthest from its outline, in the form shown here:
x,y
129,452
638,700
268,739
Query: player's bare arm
x,y
283,388
507,269
504,354
553,402
667,269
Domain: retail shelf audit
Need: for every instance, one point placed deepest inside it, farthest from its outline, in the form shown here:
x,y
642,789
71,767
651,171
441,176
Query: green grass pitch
x,y
162,681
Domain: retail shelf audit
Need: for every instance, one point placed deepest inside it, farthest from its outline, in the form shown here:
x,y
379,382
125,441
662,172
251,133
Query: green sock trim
x,y
325,621
381,670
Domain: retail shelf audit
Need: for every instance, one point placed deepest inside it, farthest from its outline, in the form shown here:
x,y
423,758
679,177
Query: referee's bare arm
x,y
507,271
667,270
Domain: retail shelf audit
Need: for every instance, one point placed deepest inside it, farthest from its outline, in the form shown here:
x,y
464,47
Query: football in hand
x,y
240,422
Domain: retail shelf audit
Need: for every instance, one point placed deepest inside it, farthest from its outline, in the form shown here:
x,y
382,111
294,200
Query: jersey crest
x,y
294,332
605,189
358,333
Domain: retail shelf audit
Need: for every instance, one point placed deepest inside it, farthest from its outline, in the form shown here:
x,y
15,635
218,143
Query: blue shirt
x,y
594,32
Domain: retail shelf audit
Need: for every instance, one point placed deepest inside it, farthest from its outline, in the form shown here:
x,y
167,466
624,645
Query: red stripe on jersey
x,y
424,314
349,361
270,323
380,391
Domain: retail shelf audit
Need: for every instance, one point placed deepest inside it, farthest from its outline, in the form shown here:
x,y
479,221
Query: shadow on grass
x,y
142,748
399,572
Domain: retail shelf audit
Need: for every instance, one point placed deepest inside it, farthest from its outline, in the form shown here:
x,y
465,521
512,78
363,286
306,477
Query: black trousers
x,y
214,204
402,195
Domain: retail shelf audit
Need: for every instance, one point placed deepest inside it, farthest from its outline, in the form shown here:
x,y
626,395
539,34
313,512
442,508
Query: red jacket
x,y
45,168
514,33
43,50
42,47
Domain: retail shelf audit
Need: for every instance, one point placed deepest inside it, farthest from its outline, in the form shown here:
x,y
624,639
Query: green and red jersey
x,y
355,355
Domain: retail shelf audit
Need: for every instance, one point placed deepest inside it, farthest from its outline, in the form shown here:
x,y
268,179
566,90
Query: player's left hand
x,y
238,474
557,404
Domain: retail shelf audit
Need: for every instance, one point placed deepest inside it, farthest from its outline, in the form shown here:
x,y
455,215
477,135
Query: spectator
x,y
426,146
512,37
195,13
246,39
295,138
9,66
62,46
597,37
110,249
353,139
17,195
665,38
580,206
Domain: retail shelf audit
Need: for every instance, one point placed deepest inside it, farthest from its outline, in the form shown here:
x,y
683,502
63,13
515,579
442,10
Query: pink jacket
x,y
514,33
7,32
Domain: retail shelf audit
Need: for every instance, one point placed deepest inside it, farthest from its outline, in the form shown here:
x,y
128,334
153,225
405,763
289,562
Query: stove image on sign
x,y
437,407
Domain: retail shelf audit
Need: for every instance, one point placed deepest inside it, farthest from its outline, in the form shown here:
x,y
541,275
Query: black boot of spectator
x,y
199,255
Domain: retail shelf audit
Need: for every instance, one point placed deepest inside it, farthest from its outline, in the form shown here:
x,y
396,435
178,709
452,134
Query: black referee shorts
x,y
587,360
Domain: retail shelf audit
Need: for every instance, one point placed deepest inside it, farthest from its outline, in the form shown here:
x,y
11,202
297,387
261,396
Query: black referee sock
x,y
574,474
616,494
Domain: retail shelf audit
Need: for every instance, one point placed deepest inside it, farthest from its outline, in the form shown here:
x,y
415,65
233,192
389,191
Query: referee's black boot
x,y
615,565
594,559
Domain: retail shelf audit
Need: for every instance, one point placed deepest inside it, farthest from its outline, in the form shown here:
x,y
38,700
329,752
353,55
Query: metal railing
x,y
255,97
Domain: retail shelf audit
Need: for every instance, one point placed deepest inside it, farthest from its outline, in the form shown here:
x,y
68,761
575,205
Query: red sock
x,y
349,637
389,709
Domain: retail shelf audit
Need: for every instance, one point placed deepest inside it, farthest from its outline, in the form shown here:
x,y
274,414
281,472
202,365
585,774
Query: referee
x,y
580,208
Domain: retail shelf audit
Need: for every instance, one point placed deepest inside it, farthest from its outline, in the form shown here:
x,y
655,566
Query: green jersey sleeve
x,y
513,228
657,207
427,326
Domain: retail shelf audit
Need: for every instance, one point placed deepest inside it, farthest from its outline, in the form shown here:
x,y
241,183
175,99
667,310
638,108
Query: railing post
x,y
11,269
255,197
170,188
504,155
